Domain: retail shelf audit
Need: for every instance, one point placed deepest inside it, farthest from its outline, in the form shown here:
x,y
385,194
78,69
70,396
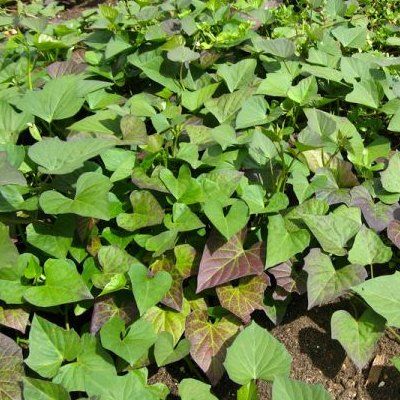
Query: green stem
x,y
371,268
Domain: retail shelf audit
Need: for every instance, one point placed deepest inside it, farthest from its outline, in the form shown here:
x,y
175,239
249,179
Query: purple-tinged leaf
x,y
208,342
244,298
393,232
11,369
110,306
183,267
288,279
324,282
224,261
15,318
377,215
61,68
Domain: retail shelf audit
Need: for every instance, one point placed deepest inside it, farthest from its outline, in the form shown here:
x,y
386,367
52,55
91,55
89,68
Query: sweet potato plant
x,y
167,168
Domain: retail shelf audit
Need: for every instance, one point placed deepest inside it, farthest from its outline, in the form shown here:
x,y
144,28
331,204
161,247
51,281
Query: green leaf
x,y
49,346
9,175
358,337
167,320
136,339
351,37
11,369
91,198
12,122
287,389
93,364
63,285
59,99
147,212
232,222
182,54
194,100
192,389
55,239
208,341
37,389
8,251
164,351
282,242
253,112
148,290
334,230
369,249
325,283
248,392
280,47
134,130
390,176
57,157
238,75
256,354
383,295
261,147
182,219
305,91
367,92
396,362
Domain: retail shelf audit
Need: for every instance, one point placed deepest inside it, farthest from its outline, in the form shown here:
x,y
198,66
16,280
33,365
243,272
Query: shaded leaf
x,y
164,351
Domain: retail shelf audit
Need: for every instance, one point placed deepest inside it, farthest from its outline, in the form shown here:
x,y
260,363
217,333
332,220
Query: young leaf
x,y
146,212
49,346
11,368
209,342
148,291
244,298
287,389
91,198
383,295
164,351
63,285
248,392
224,261
37,389
325,283
136,339
282,243
256,354
358,337
369,249
192,389
231,223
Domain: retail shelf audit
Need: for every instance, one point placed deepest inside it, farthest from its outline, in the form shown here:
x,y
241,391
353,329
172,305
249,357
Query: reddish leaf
x,y
224,261
182,268
288,280
11,369
15,318
61,68
244,298
110,306
378,215
393,232
208,342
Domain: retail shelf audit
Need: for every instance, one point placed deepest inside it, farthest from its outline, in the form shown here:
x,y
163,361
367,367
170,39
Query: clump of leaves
x,y
168,168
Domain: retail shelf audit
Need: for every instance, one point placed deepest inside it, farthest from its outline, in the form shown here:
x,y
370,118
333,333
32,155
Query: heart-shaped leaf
x,y
39,389
136,339
224,261
385,302
256,354
63,285
390,177
148,290
324,282
164,351
245,297
282,242
287,389
209,342
358,337
239,74
191,389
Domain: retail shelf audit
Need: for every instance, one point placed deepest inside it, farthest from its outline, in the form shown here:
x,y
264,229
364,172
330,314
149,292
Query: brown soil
x,y
316,359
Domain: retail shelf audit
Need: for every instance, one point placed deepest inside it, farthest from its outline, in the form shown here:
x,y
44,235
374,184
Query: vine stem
x,y
394,333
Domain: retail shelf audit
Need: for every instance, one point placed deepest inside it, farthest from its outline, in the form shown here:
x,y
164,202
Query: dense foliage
x,y
167,168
